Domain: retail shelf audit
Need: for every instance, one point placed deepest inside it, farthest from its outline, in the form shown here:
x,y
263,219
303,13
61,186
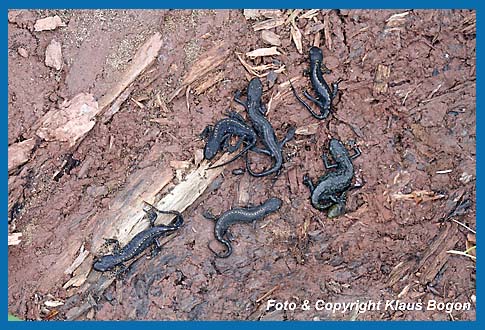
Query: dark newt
x,y
140,242
256,111
218,137
325,95
332,187
239,215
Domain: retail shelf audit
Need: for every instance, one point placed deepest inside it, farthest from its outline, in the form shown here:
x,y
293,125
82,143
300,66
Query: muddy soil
x,y
415,126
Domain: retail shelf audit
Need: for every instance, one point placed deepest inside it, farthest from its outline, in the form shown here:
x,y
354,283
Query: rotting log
x,y
126,218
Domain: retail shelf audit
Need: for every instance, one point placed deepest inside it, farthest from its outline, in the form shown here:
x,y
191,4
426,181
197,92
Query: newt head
x,y
316,54
255,89
273,204
337,148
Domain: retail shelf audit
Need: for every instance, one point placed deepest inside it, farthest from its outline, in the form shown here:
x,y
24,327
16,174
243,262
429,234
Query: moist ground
x,y
416,135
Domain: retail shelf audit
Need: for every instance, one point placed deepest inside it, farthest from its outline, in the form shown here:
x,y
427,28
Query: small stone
x,y
465,178
48,23
97,191
53,55
23,52
271,38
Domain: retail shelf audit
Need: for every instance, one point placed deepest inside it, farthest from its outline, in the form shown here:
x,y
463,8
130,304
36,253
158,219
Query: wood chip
x,y
207,62
144,56
138,103
258,13
271,38
402,270
162,121
79,259
14,238
316,41
53,303
293,180
268,24
251,13
115,107
187,98
77,280
310,129
53,55
263,52
313,28
293,16
259,70
309,14
19,153
198,156
271,13
48,23
296,36
209,82
381,79
71,122
327,32
396,20
180,164
418,196
244,190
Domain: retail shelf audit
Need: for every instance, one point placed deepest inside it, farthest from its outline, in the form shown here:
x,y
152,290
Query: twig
x,y
187,93
461,253
463,225
267,294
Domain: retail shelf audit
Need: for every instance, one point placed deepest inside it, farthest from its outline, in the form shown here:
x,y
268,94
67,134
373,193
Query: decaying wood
x,y
316,40
268,24
396,20
327,32
259,70
185,193
309,129
313,28
282,93
80,258
401,271
115,107
296,36
126,209
436,254
207,62
209,82
125,219
145,55
257,13
19,153
263,52
293,15
381,79
271,38
293,180
418,196
243,194
310,14
433,260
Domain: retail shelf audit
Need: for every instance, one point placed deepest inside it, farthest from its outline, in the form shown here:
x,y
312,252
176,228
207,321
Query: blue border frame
x,y
242,325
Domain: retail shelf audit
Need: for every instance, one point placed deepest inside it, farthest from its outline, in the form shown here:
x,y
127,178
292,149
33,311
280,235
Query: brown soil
x,y
420,125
